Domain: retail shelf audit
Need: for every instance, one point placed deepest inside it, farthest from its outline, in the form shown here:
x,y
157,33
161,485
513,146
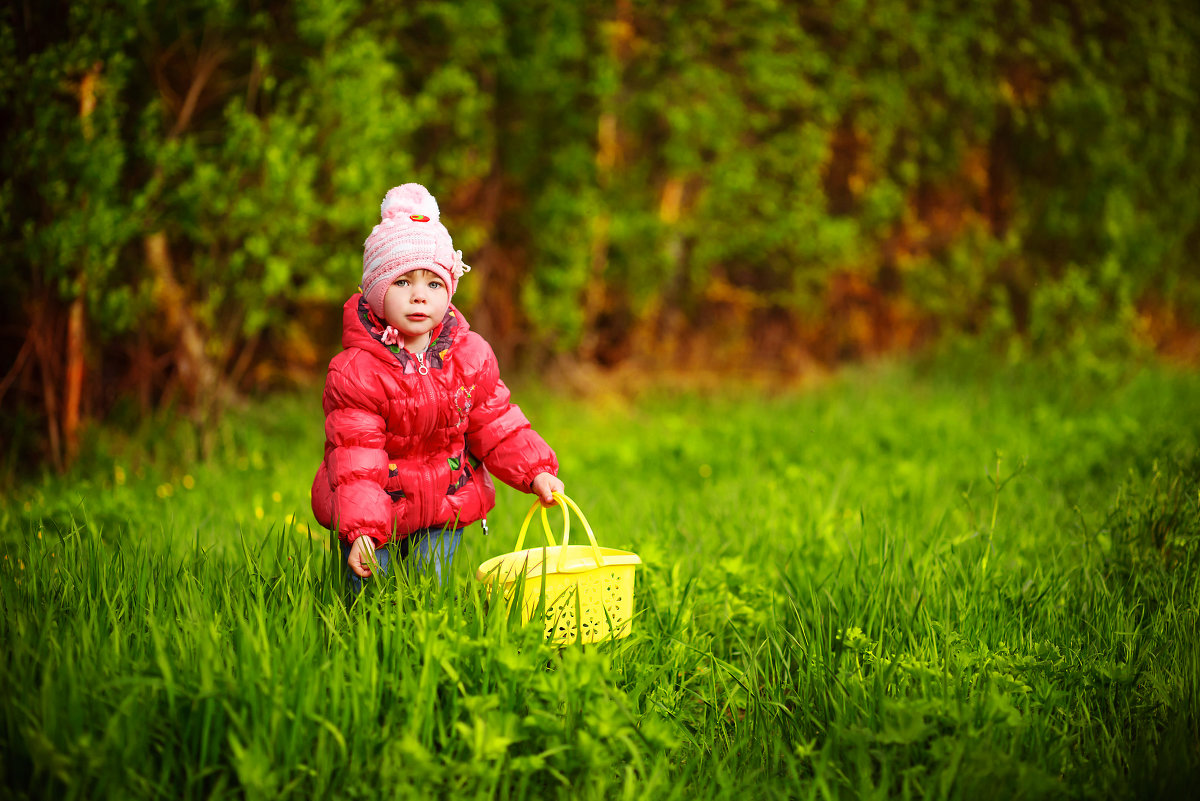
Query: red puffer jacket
x,y
403,451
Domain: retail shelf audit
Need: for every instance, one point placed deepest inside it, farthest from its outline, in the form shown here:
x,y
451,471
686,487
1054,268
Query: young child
x,y
416,415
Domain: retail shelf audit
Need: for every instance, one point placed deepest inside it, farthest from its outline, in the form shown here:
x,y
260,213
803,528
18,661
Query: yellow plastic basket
x,y
588,589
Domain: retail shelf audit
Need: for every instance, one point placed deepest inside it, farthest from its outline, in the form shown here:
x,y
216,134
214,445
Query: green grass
x,y
901,584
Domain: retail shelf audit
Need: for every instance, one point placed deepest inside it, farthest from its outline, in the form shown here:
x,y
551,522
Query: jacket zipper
x,y
426,477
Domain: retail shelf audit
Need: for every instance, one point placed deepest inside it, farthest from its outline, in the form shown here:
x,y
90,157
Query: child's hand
x,y
362,556
544,486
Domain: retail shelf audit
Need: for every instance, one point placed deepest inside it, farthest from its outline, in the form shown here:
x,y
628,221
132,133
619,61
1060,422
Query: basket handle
x,y
545,525
564,502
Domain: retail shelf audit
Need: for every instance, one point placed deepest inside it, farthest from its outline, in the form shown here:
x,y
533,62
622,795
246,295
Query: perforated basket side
x,y
591,606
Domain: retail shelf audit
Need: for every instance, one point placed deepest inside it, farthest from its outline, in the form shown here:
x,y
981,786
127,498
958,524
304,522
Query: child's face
x,y
416,303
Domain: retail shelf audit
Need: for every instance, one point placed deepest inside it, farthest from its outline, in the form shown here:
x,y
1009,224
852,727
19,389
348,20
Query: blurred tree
x,y
187,185
63,214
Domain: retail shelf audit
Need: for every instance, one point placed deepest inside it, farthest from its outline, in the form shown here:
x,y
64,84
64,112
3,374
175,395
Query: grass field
x,y
904,583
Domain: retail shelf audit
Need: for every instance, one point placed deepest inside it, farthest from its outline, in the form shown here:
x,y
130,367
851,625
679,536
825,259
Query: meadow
x,y
906,581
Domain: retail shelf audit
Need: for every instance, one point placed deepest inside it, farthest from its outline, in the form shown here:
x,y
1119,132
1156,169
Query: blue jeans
x,y
434,546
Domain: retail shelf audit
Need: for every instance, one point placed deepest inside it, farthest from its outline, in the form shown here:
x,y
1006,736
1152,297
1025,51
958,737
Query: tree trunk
x,y
197,375
42,335
74,390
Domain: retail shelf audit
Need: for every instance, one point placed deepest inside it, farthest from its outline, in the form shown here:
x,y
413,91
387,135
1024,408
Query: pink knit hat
x,y
409,237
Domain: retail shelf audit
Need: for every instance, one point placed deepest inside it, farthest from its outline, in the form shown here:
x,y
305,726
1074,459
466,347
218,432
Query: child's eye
x,y
435,284
401,282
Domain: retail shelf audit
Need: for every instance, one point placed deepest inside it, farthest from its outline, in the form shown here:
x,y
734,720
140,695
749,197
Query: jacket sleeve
x,y
357,459
499,433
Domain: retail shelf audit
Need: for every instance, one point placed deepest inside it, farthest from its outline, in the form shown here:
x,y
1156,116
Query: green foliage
x,y
1009,169
1018,151
63,215
894,586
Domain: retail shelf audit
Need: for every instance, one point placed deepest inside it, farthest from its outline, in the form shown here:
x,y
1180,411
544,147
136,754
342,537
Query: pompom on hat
x,y
408,237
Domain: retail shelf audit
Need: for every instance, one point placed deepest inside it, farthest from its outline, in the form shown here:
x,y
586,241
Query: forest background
x,y
723,187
